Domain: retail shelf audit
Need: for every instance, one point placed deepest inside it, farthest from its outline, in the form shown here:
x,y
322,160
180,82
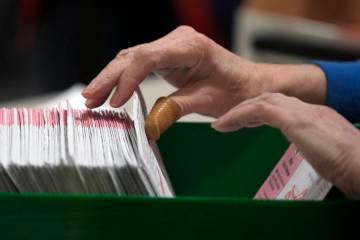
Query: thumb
x,y
167,110
164,113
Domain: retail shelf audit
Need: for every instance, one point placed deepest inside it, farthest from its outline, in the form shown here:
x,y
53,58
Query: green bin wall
x,y
203,162
215,176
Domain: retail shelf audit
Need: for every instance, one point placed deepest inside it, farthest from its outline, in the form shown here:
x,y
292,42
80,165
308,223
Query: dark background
x,y
49,45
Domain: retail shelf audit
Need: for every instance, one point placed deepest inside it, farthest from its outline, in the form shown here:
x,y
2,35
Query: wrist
x,y
306,82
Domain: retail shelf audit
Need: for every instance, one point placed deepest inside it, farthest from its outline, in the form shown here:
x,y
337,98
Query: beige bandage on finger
x,y
164,113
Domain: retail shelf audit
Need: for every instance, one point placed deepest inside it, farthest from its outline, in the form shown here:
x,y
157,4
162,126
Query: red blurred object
x,y
200,15
351,31
28,13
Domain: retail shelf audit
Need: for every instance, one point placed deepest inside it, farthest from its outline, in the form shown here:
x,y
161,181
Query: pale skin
x,y
215,82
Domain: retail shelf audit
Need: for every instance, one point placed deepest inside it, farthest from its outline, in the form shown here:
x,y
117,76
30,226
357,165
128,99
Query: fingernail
x,y
114,102
215,125
90,103
86,93
225,127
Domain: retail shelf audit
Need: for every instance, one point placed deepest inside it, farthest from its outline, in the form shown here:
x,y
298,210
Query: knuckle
x,y
107,77
261,106
141,51
122,53
201,39
294,100
269,98
144,53
324,109
266,96
192,34
256,118
185,28
278,95
290,124
272,97
233,120
125,51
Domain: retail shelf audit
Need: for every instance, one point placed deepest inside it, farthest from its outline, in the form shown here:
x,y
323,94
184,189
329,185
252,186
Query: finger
x,y
140,65
164,113
191,100
237,118
167,110
256,113
107,78
94,103
170,51
179,48
101,86
136,66
265,97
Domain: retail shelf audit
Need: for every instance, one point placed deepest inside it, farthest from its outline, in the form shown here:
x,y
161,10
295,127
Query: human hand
x,y
211,79
327,140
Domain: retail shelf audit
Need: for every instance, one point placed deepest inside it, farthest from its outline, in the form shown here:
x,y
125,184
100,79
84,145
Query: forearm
x,y
306,82
336,84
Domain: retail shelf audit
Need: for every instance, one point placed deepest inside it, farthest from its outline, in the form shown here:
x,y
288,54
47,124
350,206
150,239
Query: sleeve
x,y
343,87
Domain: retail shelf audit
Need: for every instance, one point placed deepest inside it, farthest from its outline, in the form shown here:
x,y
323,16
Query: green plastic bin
x,y
215,176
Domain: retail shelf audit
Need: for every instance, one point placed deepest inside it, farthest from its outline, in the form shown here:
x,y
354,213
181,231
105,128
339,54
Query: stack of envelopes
x,y
79,151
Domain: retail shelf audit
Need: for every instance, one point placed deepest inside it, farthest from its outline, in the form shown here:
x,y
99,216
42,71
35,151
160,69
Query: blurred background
x,y
47,46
